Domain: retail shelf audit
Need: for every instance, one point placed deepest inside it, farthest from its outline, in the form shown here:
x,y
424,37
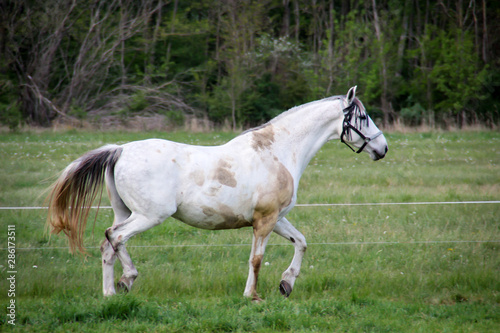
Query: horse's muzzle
x,y
379,155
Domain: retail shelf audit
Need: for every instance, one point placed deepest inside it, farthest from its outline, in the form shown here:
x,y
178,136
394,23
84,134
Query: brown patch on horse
x,y
230,219
285,186
208,211
224,175
277,194
198,177
232,222
274,198
263,138
256,263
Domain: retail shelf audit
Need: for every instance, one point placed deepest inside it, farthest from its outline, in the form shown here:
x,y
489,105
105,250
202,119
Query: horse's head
x,y
359,130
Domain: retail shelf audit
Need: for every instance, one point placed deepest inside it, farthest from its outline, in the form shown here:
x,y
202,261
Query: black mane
x,y
357,110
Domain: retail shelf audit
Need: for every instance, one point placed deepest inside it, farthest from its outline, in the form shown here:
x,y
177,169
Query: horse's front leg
x,y
288,231
262,228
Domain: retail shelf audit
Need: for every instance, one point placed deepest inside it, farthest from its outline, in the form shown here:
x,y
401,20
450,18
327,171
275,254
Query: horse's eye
x,y
362,117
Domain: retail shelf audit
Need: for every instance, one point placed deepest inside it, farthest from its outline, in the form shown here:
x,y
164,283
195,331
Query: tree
x,y
242,60
457,76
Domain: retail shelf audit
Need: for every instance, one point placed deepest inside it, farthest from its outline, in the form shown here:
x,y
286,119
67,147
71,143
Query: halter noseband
x,y
347,126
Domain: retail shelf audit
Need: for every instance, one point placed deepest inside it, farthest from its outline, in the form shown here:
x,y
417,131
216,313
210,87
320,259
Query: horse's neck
x,y
301,133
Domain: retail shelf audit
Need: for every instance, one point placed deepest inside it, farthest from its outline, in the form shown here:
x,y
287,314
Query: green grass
x,y
401,268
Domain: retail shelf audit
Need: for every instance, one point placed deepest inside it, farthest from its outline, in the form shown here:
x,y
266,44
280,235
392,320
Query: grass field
x,y
392,268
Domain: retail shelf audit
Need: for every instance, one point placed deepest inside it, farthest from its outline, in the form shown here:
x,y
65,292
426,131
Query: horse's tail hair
x,y
73,193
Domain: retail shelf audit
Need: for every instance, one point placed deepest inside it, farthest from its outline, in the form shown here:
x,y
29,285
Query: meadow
x,y
368,268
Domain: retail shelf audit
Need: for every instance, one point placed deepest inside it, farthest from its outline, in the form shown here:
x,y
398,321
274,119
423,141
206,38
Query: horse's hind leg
x,y
288,231
129,271
119,234
108,262
109,255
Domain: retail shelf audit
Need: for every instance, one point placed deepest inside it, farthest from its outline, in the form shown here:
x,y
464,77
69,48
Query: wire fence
x,y
322,204
287,244
276,244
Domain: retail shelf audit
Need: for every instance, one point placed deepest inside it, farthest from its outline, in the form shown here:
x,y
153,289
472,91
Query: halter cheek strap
x,y
347,126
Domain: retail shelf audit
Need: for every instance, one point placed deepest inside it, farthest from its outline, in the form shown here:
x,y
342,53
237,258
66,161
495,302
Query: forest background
x,y
239,63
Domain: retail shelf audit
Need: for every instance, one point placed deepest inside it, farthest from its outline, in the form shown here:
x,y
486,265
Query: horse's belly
x,y
215,201
215,217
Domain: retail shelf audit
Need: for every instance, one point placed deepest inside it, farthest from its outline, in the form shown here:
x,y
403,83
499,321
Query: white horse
x,y
251,181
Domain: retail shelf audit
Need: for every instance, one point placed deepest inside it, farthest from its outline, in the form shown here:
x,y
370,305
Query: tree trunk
x,y
402,39
172,29
485,34
122,47
385,104
297,21
331,27
286,18
39,71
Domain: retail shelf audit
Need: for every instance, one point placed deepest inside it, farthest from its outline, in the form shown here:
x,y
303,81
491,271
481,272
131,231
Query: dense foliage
x,y
242,62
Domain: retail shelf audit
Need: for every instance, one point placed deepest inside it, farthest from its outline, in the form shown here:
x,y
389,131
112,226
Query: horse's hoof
x,y
257,299
109,293
285,288
122,287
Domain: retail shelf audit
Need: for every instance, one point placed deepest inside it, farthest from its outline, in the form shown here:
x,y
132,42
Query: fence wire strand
x,y
324,204
277,244
286,244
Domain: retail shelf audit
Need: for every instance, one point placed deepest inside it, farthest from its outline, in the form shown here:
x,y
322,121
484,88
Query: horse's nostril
x,y
386,149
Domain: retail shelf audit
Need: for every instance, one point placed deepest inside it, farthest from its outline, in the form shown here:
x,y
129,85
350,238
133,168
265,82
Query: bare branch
x,y
44,100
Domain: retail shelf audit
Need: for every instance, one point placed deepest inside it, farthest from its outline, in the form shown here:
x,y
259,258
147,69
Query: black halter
x,y
360,118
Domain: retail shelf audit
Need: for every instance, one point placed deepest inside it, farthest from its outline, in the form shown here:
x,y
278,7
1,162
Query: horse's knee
x,y
114,240
301,243
107,234
304,246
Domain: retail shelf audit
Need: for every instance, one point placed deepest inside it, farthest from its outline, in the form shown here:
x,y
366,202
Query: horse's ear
x,y
351,95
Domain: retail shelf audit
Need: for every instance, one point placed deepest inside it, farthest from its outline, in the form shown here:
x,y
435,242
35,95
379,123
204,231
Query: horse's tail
x,y
73,193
